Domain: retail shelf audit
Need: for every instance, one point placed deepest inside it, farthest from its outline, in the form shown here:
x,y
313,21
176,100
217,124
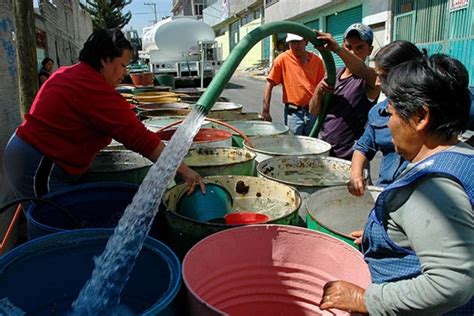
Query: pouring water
x,y
112,268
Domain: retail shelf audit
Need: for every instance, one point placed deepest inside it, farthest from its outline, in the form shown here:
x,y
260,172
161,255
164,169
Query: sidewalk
x,y
259,74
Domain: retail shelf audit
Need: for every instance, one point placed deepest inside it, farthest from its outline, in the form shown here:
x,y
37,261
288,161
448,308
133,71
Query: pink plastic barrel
x,y
268,270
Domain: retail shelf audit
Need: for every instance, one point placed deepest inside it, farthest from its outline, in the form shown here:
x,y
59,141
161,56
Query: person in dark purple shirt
x,y
354,92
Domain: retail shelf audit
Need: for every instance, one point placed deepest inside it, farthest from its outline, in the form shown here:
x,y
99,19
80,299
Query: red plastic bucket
x,y
268,270
206,137
245,218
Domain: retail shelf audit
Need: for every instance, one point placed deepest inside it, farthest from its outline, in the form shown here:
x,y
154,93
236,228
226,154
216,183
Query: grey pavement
x,y
247,89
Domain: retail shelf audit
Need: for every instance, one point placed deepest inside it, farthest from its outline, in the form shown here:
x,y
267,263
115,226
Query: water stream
x,y
112,268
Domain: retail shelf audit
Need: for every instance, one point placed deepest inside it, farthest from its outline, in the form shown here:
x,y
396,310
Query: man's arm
x,y
354,64
315,104
267,96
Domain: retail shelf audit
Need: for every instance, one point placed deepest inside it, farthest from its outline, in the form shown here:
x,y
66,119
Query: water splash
x,y
113,266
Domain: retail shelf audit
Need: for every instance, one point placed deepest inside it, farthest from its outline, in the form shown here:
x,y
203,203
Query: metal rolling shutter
x,y
315,26
338,23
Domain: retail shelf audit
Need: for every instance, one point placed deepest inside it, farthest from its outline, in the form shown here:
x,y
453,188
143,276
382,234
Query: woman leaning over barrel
x,y
419,238
76,113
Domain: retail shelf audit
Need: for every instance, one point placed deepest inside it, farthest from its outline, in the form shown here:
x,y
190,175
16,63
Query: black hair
x,y
45,61
103,44
395,53
438,82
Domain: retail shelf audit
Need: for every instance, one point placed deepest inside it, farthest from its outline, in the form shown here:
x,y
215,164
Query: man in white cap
x,y
354,92
299,72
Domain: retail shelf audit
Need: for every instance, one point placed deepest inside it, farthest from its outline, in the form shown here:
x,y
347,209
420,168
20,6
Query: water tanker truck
x,y
182,47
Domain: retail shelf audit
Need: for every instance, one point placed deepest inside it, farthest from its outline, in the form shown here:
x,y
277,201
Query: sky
x,y
143,15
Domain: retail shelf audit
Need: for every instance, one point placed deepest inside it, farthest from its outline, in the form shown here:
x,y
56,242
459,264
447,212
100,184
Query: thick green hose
x,y
217,85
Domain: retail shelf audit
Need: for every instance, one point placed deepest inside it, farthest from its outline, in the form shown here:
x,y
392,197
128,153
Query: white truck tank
x,y
176,39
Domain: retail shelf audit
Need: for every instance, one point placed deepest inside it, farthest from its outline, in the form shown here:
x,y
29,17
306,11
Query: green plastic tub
x,y
336,212
249,194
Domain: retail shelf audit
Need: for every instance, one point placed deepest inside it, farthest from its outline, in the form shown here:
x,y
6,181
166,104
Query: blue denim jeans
x,y
299,121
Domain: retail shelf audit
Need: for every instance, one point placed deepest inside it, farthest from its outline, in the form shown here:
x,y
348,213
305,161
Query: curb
x,y
261,77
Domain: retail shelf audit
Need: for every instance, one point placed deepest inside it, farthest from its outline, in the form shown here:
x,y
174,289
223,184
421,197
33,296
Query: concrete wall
x,y
376,14
255,53
9,100
223,44
67,28
215,13
237,6
291,9
9,105
183,7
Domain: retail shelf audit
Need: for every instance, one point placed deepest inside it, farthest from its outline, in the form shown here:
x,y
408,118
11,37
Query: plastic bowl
x,y
244,218
201,207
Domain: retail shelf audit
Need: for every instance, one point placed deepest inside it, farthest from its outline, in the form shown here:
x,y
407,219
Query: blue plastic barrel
x,y
92,205
44,276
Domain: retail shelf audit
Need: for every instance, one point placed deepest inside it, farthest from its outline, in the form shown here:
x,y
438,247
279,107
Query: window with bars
x,y
246,19
198,7
234,34
257,13
270,2
420,21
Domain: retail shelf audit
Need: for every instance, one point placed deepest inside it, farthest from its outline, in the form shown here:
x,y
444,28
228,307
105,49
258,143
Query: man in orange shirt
x,y
299,72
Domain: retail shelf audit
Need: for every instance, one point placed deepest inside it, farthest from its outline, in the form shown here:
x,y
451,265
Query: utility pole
x,y
26,53
154,9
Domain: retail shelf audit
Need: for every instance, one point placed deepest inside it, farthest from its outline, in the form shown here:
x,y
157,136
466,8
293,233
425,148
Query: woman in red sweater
x,y
75,114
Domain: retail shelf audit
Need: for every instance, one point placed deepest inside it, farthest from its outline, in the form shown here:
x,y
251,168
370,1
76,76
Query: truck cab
x,y
132,36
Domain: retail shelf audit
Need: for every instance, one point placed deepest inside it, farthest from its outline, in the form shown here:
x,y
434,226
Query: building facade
x,y
62,27
189,7
440,26
232,20
445,26
331,16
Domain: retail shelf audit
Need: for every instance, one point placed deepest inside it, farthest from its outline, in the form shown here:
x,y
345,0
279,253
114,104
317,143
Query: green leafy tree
x,y
108,13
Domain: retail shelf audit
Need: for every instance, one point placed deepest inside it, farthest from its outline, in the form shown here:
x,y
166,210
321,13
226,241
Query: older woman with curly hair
x,y
419,238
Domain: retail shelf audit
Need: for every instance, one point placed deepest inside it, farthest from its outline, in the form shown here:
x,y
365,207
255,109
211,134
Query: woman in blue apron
x,y
419,238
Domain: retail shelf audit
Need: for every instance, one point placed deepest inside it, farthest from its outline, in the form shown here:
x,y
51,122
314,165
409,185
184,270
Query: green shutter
x,y
315,26
234,34
404,25
461,23
266,48
337,24
429,24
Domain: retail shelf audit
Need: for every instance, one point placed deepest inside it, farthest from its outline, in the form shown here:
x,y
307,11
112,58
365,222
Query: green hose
x,y
217,85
